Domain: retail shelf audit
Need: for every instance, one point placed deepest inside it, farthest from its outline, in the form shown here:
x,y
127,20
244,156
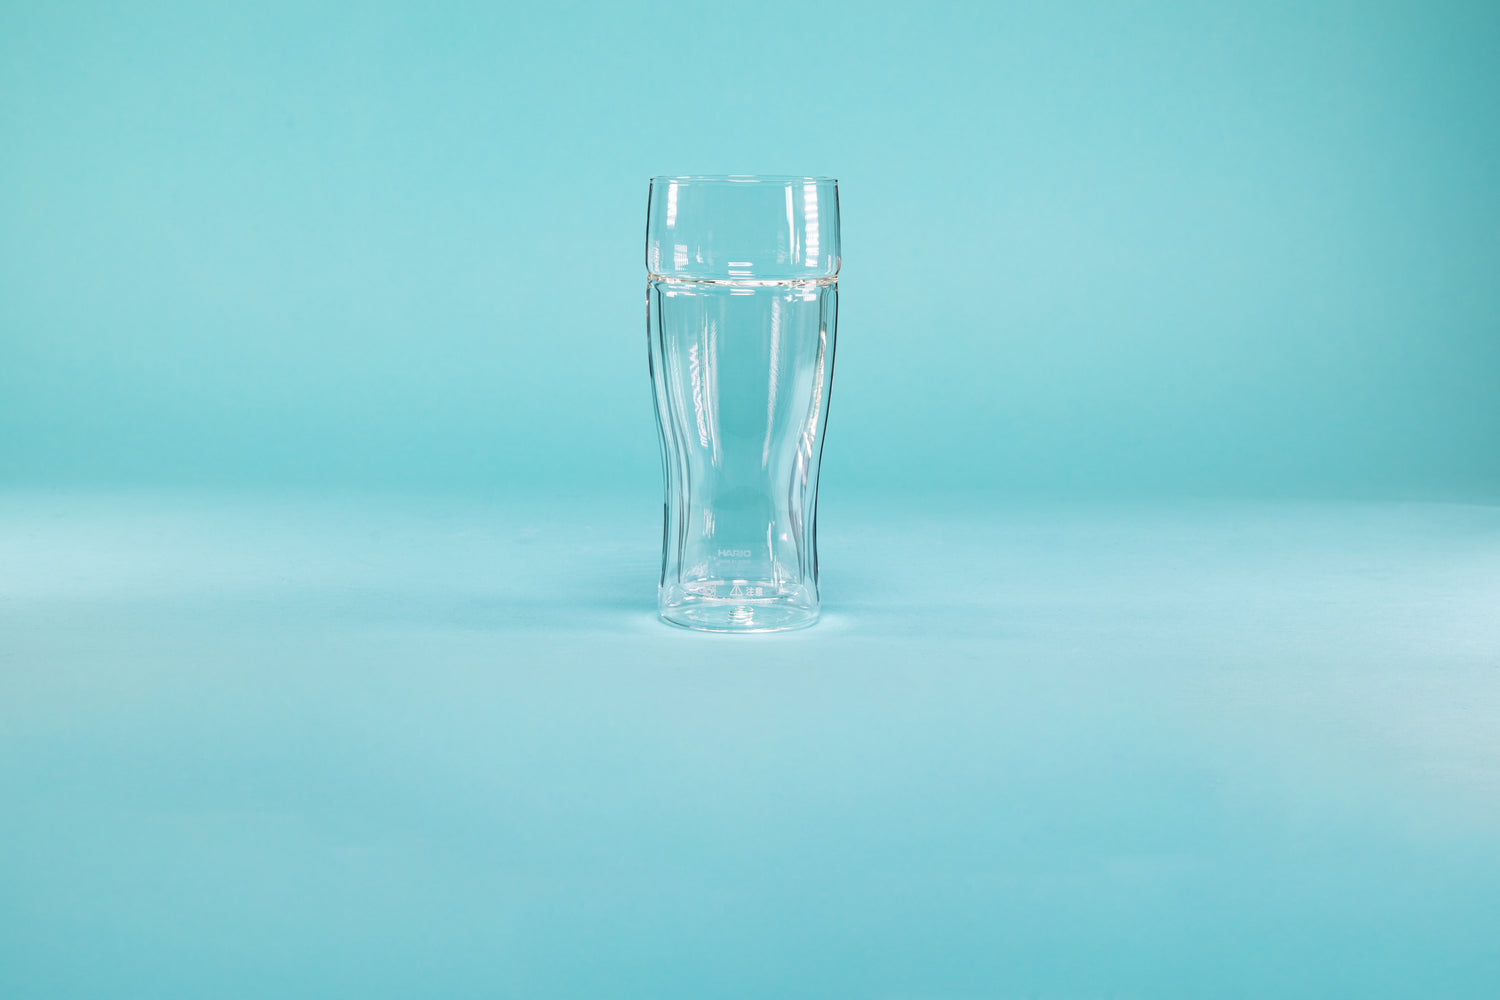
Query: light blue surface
x,y
257,745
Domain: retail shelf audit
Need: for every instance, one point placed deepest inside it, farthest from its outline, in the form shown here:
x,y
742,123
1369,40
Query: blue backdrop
x,y
270,727
1157,247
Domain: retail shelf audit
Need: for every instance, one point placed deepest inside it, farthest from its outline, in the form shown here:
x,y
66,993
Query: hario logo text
x,y
734,553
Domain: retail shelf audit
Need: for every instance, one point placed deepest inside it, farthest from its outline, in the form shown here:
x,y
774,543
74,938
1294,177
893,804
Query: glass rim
x,y
742,179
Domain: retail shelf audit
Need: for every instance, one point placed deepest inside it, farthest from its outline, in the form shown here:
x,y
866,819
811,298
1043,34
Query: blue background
x,y
1160,521
1147,247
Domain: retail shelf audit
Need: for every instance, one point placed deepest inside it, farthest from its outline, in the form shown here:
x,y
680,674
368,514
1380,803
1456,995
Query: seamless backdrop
x,y
1089,248
329,503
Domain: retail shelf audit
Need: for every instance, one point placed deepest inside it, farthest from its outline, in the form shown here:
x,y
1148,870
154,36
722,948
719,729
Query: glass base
x,y
739,618
736,616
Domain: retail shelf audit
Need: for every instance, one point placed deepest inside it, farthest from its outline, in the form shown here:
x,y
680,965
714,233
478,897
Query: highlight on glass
x,y
742,305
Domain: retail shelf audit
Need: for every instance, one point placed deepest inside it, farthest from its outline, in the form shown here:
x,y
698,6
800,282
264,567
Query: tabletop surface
x,y
261,745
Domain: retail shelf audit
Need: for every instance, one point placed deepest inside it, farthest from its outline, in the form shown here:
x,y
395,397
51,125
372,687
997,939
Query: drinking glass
x,y
742,301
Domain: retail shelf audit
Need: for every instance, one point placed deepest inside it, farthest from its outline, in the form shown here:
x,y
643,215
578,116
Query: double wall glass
x,y
742,303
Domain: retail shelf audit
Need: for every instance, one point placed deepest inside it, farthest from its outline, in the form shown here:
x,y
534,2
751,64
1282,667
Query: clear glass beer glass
x,y
742,301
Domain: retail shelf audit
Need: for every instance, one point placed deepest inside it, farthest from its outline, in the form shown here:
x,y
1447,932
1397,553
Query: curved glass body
x,y
742,302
